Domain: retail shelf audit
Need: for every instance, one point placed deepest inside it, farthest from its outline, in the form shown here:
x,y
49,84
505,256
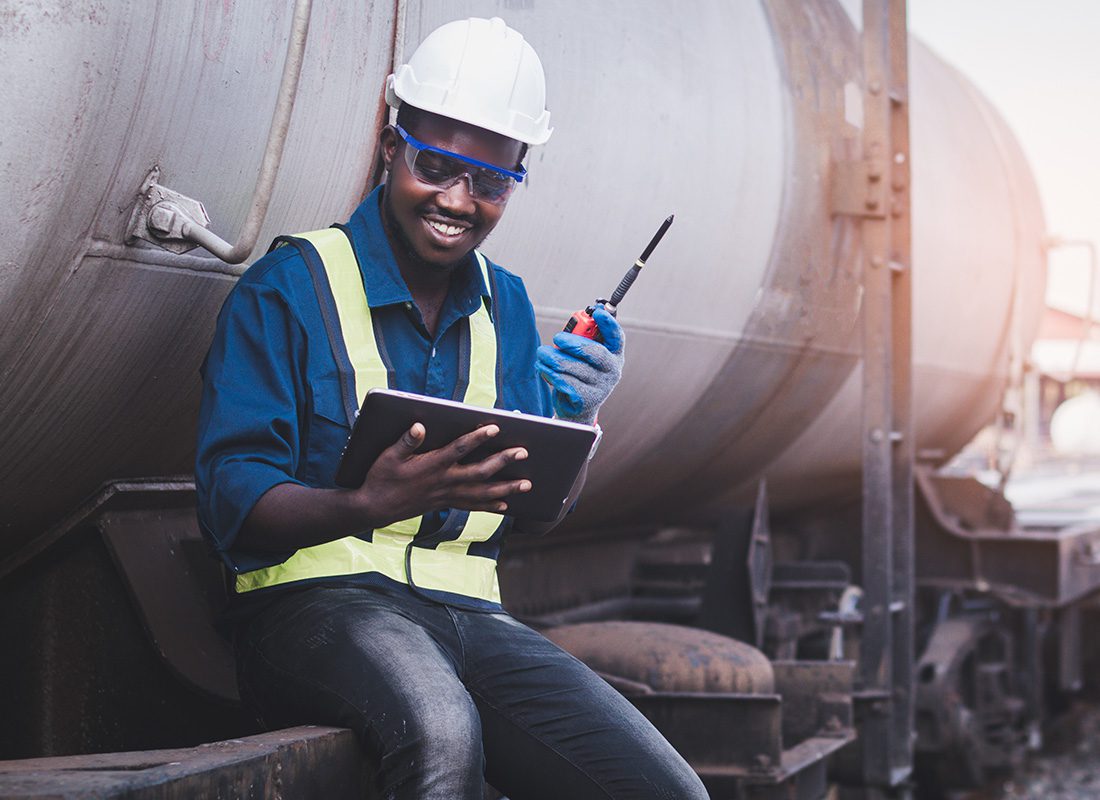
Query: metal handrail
x,y
273,151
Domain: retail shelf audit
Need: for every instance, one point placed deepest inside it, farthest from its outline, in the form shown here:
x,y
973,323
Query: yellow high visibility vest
x,y
447,566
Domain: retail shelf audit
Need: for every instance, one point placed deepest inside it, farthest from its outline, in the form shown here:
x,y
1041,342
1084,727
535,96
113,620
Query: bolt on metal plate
x,y
160,213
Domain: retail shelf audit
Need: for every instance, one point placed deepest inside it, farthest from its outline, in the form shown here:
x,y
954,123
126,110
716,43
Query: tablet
x,y
556,449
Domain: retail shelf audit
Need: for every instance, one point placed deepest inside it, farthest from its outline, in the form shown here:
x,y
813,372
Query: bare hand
x,y
403,483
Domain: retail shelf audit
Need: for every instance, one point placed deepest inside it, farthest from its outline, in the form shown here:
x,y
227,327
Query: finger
x,y
492,506
559,382
587,350
562,384
610,329
565,365
502,489
486,494
489,466
468,442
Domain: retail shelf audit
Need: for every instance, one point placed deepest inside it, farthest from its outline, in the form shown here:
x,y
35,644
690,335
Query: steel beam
x,y
296,762
886,655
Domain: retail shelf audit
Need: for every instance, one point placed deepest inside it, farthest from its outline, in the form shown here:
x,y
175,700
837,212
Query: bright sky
x,y
1038,61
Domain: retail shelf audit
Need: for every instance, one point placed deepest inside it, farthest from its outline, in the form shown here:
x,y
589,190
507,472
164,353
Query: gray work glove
x,y
582,372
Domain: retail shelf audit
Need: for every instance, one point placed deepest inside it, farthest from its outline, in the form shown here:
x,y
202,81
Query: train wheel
x,y
970,711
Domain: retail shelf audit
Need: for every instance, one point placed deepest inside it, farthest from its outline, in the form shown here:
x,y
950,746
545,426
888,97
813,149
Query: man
x,y
377,608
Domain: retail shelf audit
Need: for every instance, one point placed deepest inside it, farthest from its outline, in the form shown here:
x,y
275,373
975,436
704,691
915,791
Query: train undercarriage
x,y
741,643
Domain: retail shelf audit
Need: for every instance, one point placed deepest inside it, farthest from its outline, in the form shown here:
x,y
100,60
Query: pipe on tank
x,y
167,219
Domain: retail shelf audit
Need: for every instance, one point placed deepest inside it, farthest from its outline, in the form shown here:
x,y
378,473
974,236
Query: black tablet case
x,y
556,449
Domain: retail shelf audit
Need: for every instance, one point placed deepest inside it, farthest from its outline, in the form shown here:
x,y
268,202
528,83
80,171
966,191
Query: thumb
x,y
610,329
411,440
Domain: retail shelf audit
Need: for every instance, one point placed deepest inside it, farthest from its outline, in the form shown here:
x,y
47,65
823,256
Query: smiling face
x,y
432,229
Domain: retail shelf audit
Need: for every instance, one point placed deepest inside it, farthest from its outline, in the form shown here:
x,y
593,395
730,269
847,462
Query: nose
x,y
458,198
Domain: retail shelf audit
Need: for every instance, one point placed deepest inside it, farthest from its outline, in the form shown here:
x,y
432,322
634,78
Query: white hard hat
x,y
478,71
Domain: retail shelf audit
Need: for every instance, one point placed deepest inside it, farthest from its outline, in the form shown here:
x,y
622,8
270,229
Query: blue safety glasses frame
x,y
442,168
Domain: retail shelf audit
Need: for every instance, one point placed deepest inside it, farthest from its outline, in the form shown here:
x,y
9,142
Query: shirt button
x,y
433,352
408,305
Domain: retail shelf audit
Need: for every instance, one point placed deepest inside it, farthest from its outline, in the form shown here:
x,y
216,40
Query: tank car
x,y
853,279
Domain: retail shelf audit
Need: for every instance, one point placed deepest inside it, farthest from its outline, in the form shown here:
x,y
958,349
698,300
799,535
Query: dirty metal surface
x,y
99,351
178,591
667,657
970,704
150,528
78,671
736,733
296,762
968,538
736,739
816,698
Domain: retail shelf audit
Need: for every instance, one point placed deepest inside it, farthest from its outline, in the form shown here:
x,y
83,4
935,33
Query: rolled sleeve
x,y
250,416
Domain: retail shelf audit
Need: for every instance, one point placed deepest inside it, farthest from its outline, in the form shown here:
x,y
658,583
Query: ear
x,y
388,145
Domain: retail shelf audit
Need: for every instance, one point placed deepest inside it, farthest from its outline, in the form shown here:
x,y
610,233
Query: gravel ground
x,y
1070,775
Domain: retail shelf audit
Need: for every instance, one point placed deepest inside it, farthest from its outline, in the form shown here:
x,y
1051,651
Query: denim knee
x,y
435,752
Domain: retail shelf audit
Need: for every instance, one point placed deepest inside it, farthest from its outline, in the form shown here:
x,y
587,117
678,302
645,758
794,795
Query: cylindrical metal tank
x,y
100,344
978,286
733,116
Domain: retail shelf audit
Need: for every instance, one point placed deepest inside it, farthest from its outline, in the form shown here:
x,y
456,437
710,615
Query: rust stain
x,y
216,28
271,37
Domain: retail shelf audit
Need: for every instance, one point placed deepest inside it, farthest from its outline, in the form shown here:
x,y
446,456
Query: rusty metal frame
x,y
970,540
965,733
297,762
764,745
110,495
177,588
151,531
887,649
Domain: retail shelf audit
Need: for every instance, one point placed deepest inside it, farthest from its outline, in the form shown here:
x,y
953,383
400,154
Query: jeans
x,y
443,699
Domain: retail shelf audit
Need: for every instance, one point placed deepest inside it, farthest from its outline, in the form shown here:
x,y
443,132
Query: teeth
x,y
448,230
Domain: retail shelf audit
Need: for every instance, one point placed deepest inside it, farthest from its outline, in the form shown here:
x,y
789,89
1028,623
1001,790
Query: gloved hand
x,y
582,372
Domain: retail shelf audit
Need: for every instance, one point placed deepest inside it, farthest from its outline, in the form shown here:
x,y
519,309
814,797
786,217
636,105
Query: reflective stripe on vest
x,y
449,567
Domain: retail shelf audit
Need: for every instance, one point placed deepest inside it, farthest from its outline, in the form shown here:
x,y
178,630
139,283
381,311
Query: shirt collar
x,y
381,275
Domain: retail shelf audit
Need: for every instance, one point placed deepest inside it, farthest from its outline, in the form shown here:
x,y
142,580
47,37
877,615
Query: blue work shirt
x,y
272,408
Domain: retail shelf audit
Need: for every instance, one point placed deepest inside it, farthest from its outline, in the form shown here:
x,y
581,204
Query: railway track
x,y
1067,769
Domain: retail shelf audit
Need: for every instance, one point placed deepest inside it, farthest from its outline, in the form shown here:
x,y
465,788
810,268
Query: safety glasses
x,y
442,168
